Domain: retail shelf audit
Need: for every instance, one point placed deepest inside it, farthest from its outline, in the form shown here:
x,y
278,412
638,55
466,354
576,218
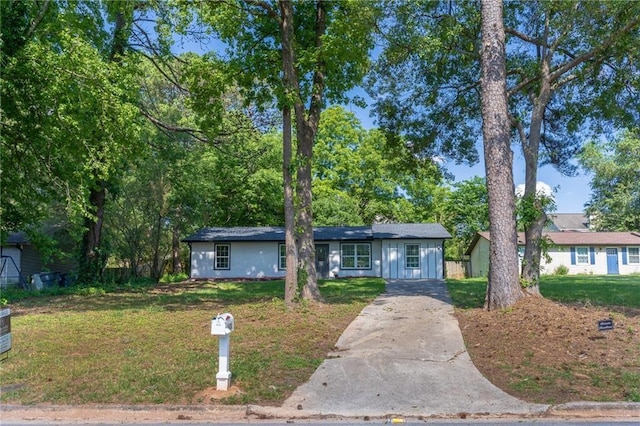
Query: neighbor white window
x,y
222,257
634,254
582,255
412,256
282,257
356,256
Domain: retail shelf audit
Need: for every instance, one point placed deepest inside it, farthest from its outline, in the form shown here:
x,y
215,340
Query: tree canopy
x,y
614,166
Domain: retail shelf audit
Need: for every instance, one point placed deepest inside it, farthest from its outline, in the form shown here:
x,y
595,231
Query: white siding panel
x,y
561,256
431,259
247,260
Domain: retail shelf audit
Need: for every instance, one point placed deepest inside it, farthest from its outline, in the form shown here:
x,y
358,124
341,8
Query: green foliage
x,y
561,270
466,212
615,198
174,278
69,116
251,33
358,178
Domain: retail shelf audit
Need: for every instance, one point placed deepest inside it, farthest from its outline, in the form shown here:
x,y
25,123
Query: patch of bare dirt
x,y
212,395
546,352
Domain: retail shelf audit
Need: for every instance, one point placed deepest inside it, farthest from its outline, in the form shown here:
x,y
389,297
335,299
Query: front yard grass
x,y
154,345
589,290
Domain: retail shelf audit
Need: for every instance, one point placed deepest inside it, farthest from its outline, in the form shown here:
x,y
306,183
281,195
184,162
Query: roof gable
x,y
568,222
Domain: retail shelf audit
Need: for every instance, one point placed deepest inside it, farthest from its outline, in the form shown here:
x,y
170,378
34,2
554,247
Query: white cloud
x,y
541,189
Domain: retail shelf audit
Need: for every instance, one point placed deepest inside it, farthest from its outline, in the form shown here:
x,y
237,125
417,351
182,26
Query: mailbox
x,y
222,325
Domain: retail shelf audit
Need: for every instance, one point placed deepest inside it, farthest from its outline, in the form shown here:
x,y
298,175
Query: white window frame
x,y
636,256
219,259
413,256
282,257
357,256
585,260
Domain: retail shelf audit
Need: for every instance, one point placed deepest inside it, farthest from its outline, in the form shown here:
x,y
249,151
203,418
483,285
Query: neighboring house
x,y
397,251
581,252
20,260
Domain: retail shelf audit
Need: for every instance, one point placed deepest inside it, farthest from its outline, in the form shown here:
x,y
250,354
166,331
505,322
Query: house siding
x,y
246,260
561,256
259,260
394,259
479,259
564,255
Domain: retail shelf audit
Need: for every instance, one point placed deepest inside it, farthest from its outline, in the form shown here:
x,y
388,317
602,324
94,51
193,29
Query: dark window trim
x,y
406,257
281,258
355,267
216,257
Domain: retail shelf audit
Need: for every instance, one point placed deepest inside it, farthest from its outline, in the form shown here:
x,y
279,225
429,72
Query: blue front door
x,y
612,261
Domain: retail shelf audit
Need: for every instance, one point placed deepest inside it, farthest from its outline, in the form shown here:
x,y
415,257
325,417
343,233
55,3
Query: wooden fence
x,y
457,269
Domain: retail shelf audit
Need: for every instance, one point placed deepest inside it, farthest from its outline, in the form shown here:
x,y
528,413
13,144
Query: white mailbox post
x,y
222,326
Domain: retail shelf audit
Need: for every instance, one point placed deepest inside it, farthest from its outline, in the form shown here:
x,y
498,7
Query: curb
x,y
240,413
596,409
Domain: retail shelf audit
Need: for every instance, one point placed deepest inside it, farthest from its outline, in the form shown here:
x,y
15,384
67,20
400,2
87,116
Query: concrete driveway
x,y
403,355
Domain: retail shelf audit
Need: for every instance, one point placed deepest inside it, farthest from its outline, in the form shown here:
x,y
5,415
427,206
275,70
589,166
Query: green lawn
x,y
597,290
143,345
154,344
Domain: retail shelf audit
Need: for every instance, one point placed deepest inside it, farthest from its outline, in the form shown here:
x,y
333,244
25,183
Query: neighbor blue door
x,y
612,261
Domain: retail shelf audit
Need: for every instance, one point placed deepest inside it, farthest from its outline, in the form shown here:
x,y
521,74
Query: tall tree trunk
x,y
503,288
536,217
92,259
291,292
291,279
157,265
176,265
93,256
307,126
306,245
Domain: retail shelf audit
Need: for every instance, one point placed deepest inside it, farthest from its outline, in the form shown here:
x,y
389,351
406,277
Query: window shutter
x,y
592,253
624,255
573,255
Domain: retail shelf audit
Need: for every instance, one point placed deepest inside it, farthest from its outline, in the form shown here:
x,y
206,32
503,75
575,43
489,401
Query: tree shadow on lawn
x,y
214,295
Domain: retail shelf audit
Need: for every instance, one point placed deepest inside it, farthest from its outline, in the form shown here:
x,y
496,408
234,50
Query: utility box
x,y
222,324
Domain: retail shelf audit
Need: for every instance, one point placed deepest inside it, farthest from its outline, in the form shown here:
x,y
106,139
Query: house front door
x,y
322,260
612,261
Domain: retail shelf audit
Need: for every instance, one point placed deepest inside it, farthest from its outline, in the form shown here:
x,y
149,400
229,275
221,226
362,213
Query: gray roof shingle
x,y
409,231
323,233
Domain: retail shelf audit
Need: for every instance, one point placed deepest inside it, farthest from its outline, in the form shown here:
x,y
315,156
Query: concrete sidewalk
x,y
403,355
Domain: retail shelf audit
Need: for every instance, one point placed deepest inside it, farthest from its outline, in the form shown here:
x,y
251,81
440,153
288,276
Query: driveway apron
x,y
403,355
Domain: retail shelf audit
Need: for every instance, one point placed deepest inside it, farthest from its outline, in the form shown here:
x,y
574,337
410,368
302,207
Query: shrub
x,y
561,270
